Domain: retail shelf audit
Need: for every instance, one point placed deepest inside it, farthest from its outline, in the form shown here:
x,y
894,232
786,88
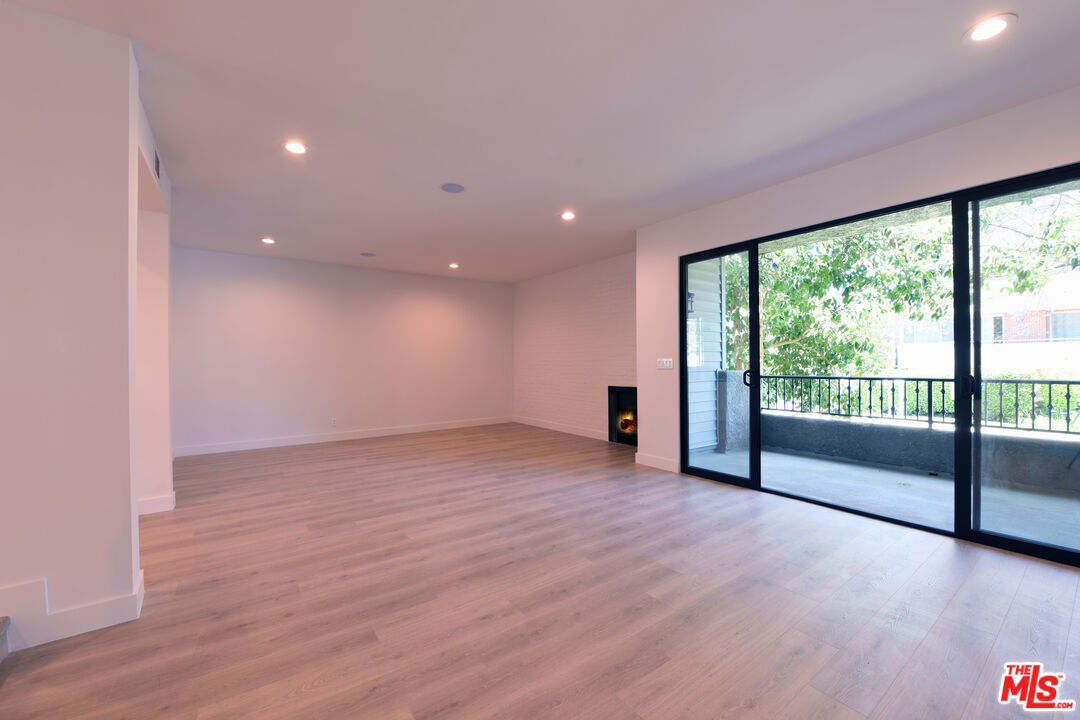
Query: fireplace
x,y
622,415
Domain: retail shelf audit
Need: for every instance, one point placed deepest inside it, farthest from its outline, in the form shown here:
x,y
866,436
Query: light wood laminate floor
x,y
512,572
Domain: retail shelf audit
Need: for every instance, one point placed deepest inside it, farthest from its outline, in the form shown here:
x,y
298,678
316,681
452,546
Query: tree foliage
x,y
827,305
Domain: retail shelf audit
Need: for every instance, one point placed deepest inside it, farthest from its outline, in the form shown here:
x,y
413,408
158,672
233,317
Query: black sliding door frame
x,y
975,396
754,481
967,360
972,530
964,385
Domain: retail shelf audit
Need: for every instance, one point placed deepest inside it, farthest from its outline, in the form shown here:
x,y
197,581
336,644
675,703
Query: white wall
x,y
68,539
153,437
1027,138
573,336
267,352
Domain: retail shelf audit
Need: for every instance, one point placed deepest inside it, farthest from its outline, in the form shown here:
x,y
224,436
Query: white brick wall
x,y
574,334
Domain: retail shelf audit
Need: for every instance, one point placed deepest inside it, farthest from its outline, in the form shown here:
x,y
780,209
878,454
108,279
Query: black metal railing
x,y
1047,405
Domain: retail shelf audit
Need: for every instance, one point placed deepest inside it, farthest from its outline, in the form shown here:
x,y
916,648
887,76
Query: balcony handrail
x,y
1044,405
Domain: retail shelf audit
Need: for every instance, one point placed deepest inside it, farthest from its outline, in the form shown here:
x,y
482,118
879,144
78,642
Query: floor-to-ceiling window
x,y
857,365
1026,352
717,364
920,364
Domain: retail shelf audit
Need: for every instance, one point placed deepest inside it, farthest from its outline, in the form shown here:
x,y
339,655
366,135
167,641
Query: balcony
x,y
885,445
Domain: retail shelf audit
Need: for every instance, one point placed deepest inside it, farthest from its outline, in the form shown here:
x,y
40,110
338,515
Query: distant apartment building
x,y
1030,333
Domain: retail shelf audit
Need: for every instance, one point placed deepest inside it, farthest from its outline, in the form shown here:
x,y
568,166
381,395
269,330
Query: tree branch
x,y
812,351
795,341
1042,238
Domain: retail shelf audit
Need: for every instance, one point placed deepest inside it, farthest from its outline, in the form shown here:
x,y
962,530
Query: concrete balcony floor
x,y
1051,518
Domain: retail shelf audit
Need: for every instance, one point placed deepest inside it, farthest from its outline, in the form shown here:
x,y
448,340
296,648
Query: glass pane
x,y
857,361
1026,459
717,354
1065,325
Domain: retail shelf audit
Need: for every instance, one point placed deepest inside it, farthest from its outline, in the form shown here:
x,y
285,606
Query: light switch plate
x,y
665,364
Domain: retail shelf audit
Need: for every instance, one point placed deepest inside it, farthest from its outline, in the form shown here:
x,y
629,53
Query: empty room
x,y
440,360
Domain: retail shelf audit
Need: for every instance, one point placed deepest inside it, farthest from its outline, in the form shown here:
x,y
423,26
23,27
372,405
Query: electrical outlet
x,y
333,422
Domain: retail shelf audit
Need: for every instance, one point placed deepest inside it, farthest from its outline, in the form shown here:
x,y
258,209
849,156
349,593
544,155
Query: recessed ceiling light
x,y
453,266
268,241
367,254
452,188
296,147
990,27
568,215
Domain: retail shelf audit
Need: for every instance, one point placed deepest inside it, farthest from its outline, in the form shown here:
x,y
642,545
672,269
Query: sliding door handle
x,y
746,378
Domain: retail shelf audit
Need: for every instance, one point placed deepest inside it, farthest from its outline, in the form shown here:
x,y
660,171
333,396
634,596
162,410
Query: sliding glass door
x,y
717,354
857,365
920,364
1026,361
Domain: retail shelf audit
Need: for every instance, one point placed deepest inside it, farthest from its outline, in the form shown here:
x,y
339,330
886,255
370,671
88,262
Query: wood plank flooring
x,y
512,572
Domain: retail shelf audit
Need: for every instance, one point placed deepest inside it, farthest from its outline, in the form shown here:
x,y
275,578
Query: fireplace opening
x,y
622,415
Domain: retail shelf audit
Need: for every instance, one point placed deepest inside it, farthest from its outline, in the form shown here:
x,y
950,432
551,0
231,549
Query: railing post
x,y
1049,406
1033,406
929,401
1068,407
943,401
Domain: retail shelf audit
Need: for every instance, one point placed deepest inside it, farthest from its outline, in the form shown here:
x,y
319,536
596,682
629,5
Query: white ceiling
x,y
628,111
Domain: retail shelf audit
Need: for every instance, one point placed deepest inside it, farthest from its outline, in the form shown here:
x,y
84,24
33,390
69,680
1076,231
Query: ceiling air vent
x,y
157,165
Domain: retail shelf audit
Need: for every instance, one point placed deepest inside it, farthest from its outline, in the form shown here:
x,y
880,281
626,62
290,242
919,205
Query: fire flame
x,y
627,422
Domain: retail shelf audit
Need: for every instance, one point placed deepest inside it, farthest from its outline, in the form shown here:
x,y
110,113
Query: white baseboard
x,y
34,623
159,503
562,427
655,461
209,448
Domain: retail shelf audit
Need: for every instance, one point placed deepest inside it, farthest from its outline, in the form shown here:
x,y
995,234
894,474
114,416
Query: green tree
x,y
827,299
824,303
